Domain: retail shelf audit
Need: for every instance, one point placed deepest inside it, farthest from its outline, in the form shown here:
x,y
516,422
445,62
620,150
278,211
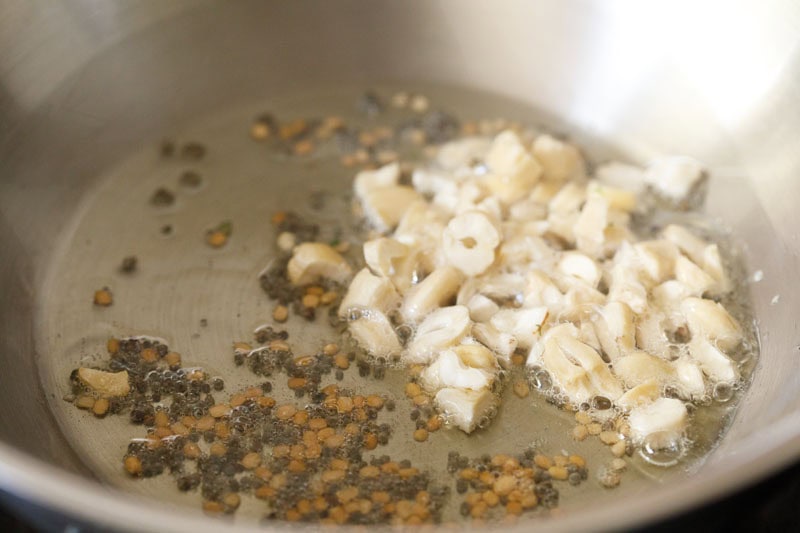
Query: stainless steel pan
x,y
84,83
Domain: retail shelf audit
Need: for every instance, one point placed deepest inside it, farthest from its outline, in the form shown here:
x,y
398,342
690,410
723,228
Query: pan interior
x,y
200,300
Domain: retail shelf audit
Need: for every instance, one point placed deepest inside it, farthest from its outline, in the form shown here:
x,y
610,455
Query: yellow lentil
x,y
344,404
317,423
491,498
205,423
542,461
478,510
259,131
529,500
296,383
173,359
300,418
231,500
577,460
112,345
375,401
84,402
579,432
279,346
503,485
212,507
263,473
609,437
251,460
296,466
618,464
558,472
179,429
285,412
619,448
521,388
370,471
103,298
149,355
346,494
514,508
280,313
422,400
330,296
311,300
370,441
191,450
334,441
412,390
330,349
216,238
133,466
219,410
100,407
434,423
316,290
218,449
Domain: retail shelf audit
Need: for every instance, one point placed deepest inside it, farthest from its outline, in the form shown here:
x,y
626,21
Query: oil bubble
x,y
723,392
662,449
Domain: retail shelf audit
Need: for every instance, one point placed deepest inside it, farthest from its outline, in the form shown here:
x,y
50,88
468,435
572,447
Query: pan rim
x,y
82,499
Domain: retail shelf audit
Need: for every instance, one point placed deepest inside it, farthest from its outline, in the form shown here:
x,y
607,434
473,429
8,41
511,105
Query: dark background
x,y
770,506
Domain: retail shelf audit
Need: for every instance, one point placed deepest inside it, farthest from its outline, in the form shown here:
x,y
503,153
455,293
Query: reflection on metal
x,y
83,83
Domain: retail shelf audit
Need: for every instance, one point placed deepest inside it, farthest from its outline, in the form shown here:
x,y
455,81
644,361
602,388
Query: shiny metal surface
x,y
84,83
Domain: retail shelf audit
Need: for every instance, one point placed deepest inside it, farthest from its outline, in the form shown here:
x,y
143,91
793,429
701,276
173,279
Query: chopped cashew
x,y
475,355
621,175
639,367
615,329
523,324
383,254
709,319
481,308
715,363
385,207
675,177
448,370
369,291
312,261
107,384
641,394
465,408
440,329
370,180
503,246
662,422
375,334
559,160
455,155
469,242
500,342
580,266
617,198
513,171
436,290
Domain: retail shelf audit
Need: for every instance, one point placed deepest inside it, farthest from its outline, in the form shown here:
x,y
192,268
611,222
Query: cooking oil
x,y
200,300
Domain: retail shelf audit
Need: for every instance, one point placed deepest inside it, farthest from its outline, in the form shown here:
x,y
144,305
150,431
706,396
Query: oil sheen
x,y
200,300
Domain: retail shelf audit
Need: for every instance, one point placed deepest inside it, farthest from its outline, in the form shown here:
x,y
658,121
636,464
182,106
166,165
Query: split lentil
x,y
103,297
